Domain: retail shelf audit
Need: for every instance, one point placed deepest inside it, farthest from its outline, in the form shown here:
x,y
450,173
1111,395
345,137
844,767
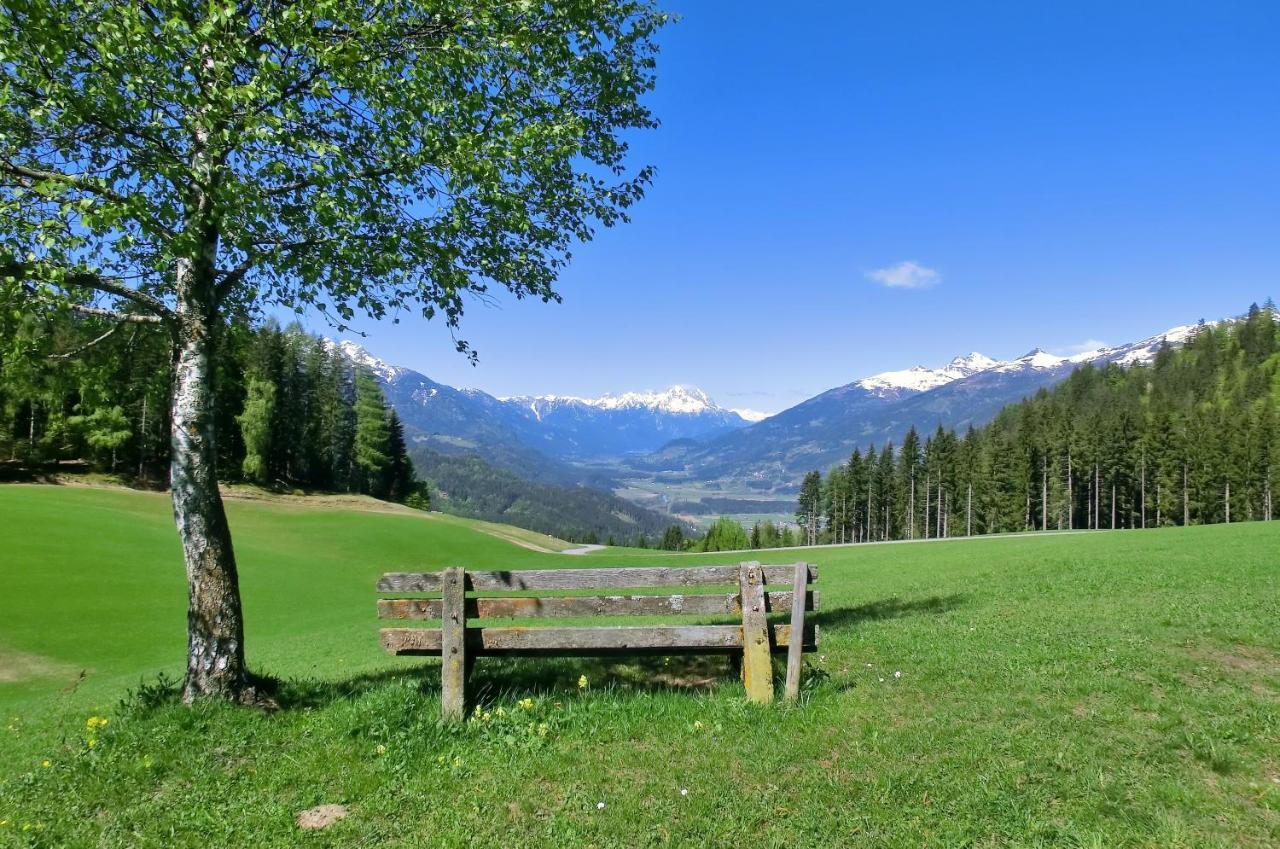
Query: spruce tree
x,y
373,436
400,477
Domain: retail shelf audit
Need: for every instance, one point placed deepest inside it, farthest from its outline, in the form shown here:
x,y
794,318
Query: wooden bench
x,y
467,595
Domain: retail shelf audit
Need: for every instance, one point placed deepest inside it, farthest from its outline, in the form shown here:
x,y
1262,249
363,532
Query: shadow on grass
x,y
887,608
495,679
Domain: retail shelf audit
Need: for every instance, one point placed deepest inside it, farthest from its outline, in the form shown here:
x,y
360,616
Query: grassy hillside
x,y
1112,689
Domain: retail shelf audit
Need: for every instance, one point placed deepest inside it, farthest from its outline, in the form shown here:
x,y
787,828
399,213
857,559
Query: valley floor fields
x,y
1106,689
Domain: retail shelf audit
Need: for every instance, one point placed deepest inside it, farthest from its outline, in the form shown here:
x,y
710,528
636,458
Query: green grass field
x,y
1108,689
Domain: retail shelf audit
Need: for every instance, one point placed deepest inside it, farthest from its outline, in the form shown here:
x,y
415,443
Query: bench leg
x,y
453,655
757,662
799,593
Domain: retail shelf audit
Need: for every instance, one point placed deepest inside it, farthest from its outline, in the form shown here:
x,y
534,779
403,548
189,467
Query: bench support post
x,y
453,643
799,595
757,664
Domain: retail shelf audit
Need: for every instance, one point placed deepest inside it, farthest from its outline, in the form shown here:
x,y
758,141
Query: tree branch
x,y
158,311
123,317
26,176
87,345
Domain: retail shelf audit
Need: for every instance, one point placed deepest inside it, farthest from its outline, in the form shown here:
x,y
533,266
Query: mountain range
x,y
774,454
680,436
546,438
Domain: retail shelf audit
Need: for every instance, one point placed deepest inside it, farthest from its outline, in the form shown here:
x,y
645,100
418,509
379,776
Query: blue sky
x,y
1057,173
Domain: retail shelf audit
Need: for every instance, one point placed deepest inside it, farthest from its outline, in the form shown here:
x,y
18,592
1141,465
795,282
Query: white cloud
x,y
1080,347
907,274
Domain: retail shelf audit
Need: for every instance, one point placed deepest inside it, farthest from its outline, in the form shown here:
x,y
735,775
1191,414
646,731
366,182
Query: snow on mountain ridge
x,y
923,378
686,400
357,355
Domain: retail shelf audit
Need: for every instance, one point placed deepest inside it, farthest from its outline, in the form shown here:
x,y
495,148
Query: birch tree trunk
x,y
215,624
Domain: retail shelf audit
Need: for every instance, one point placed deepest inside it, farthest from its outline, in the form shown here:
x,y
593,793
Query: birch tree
x,y
171,163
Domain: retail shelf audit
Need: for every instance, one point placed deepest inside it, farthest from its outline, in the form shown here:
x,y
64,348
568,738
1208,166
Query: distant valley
x,y
677,451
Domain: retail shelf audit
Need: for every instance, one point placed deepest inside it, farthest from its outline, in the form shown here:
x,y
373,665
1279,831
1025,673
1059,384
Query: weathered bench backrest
x,y
470,595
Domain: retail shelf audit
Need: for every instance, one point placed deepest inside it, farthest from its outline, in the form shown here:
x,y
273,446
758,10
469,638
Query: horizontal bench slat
x,y
671,639
587,579
595,605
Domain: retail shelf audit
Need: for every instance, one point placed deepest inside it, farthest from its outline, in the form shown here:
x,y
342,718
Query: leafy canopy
x,y
372,157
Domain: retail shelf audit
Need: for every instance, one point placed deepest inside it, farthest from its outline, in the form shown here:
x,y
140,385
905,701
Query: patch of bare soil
x,y
1257,663
321,816
16,666
1255,660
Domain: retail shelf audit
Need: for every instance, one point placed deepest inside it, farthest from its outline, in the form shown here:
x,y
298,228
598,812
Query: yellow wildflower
x,y
45,763
500,712
380,750
697,725
542,729
526,704
93,741
582,682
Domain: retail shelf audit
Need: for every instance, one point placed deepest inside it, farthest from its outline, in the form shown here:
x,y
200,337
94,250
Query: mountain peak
x,y
678,399
923,378
1040,358
357,355
675,399
971,363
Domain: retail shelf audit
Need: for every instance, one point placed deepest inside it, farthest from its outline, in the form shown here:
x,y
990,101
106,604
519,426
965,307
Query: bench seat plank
x,y
636,639
726,604
586,579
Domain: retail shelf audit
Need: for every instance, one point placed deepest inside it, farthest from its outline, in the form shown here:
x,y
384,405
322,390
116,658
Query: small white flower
x,y
684,791
897,675
868,666
882,679
599,806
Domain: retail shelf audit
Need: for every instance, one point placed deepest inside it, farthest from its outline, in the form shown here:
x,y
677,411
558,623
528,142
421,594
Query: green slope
x,y
93,581
1110,689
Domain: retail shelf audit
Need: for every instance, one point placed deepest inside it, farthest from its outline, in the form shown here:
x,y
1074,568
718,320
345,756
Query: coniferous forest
x,y
80,394
292,411
1190,438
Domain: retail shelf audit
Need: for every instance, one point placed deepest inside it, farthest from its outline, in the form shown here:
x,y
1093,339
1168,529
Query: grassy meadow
x,y
1097,690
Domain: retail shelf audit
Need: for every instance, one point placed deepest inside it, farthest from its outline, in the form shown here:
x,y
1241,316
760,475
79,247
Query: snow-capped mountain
x,y
358,356
612,425
825,429
923,378
536,436
547,438
678,400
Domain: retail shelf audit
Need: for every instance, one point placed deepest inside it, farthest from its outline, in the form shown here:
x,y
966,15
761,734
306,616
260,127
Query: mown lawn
x,y
1111,689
